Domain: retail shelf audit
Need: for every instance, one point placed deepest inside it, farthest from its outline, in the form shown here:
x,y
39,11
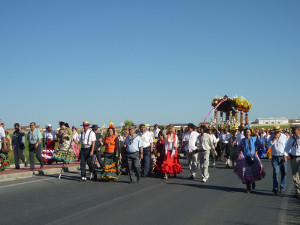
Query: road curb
x,y
29,174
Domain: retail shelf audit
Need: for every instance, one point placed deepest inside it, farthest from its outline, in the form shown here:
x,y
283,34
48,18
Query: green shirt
x,y
34,136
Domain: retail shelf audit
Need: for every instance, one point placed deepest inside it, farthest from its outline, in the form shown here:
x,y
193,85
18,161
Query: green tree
x,y
127,123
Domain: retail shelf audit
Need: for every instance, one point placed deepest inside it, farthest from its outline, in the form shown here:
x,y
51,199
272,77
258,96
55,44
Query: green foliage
x,y
161,128
127,123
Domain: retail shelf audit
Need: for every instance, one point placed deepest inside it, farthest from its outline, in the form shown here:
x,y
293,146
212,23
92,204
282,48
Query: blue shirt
x,y
34,136
135,145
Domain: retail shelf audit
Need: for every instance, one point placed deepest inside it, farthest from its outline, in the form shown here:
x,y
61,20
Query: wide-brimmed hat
x,y
95,127
276,128
85,123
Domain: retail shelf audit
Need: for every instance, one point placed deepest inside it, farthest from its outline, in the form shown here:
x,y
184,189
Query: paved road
x,y
222,200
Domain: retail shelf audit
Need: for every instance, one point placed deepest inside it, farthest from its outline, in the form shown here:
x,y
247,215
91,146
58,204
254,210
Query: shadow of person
x,y
223,188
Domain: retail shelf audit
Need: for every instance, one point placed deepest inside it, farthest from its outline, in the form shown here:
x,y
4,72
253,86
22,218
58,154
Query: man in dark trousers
x,y
98,147
87,139
134,149
18,145
34,138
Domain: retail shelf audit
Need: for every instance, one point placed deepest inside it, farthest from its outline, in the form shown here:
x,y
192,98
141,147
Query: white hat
x,y
48,125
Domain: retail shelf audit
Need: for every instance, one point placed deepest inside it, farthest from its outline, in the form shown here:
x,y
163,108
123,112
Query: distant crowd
x,y
140,151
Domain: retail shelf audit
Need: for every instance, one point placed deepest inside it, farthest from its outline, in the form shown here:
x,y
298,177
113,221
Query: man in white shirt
x,y
49,134
156,131
277,143
225,137
87,139
147,149
292,148
189,141
205,145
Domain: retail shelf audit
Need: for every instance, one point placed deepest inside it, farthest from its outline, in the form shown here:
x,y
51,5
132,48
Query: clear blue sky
x,y
146,61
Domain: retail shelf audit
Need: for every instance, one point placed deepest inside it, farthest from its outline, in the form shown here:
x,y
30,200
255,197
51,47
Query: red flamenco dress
x,y
171,163
48,151
160,147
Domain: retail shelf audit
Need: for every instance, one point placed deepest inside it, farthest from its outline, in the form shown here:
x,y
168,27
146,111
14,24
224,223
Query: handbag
x,y
249,160
22,146
5,150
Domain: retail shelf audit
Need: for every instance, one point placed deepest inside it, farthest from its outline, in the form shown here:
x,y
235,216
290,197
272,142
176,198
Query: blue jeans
x,y
279,164
146,160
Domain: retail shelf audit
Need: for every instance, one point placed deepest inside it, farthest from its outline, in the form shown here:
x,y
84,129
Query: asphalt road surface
x,y
221,200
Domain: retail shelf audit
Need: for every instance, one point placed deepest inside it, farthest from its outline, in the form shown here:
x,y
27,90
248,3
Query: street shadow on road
x,y
293,211
223,188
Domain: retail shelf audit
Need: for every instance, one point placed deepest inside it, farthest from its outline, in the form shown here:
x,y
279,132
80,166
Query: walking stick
x,y
62,168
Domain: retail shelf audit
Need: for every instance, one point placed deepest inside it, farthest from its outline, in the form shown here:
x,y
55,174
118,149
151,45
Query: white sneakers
x,y
83,178
204,179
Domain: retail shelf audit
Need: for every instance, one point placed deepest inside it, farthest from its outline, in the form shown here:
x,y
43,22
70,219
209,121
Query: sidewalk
x,y
13,174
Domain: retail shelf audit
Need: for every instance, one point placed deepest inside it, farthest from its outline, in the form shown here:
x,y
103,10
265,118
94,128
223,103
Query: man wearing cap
x,y
134,149
34,138
49,144
277,143
189,140
87,139
292,148
204,144
147,149
18,144
156,131
98,146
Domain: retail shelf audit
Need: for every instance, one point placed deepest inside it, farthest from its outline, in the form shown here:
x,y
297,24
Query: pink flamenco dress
x,y
171,163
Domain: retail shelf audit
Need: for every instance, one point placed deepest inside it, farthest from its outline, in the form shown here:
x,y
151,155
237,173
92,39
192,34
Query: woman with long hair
x,y
171,163
74,143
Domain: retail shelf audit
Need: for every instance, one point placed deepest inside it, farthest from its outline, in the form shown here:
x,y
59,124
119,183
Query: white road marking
x,y
28,182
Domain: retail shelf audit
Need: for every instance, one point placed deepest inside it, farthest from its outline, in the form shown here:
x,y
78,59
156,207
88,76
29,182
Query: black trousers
x,y
98,155
225,150
134,166
85,158
18,154
37,151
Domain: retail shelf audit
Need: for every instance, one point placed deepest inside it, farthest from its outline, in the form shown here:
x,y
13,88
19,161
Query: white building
x,y
294,121
271,121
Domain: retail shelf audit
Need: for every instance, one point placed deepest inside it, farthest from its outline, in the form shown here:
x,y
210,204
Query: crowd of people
x,y
141,152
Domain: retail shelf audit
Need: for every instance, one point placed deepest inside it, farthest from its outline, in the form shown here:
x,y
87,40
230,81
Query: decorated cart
x,y
229,112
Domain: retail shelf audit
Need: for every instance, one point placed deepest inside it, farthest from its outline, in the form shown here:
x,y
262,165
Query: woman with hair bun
x,y
248,166
111,143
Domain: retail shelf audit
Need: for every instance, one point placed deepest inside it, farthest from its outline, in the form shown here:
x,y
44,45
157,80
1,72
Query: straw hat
x,y
85,123
276,128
